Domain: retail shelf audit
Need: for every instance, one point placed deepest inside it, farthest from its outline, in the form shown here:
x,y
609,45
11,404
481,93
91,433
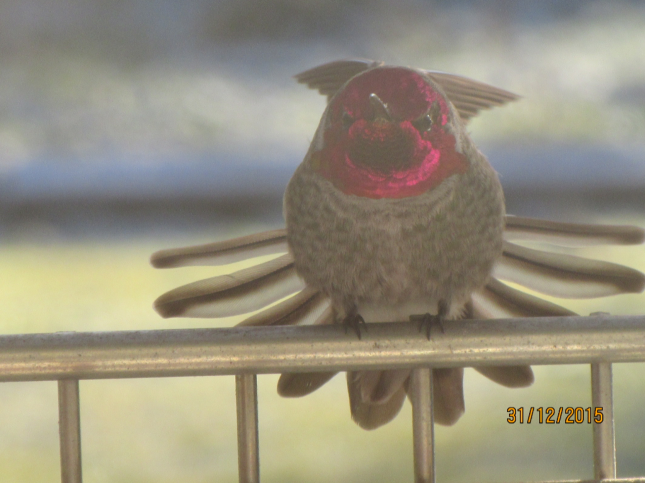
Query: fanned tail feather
x,y
308,307
298,384
448,395
508,376
376,387
368,415
497,301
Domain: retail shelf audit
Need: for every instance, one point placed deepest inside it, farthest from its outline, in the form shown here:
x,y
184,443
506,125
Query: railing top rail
x,y
191,352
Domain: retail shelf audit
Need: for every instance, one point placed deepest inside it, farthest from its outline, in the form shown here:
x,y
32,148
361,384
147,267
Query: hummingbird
x,y
395,214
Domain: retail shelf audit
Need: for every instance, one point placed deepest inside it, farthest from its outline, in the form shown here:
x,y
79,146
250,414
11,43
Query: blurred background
x,y
128,127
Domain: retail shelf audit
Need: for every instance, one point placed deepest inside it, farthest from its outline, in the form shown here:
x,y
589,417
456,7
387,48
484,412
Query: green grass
x,y
183,429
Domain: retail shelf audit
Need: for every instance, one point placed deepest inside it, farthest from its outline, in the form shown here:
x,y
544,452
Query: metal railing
x,y
247,351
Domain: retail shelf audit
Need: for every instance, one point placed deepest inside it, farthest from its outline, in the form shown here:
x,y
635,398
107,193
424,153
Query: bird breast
x,y
440,245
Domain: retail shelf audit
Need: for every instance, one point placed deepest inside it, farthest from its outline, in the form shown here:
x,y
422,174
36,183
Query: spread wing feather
x,y
571,234
565,276
470,96
329,78
238,293
467,95
498,301
307,307
224,252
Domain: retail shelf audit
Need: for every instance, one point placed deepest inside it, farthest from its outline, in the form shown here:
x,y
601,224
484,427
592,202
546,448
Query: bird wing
x,y
570,234
251,289
237,293
223,252
467,95
557,274
307,307
329,78
470,96
565,276
376,397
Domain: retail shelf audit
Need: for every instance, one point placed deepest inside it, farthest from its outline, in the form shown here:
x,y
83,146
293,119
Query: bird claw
x,y
354,321
428,320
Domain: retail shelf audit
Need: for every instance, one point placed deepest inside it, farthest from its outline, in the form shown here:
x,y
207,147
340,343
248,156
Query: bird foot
x,y
354,321
427,321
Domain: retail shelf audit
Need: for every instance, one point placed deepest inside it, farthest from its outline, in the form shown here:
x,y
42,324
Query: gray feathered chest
x,y
439,245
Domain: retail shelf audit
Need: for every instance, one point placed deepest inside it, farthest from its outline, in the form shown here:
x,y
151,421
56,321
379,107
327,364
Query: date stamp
x,y
551,415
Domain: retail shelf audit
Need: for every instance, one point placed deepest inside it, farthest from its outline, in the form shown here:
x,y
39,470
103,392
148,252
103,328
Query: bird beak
x,y
380,108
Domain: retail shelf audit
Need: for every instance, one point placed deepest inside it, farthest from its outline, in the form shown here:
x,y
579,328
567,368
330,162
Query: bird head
x,y
388,133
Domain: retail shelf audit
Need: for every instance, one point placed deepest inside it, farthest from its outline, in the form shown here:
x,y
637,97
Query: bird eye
x,y
347,120
423,123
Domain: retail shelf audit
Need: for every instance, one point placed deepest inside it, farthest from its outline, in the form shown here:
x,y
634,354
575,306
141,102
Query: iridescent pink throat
x,y
375,158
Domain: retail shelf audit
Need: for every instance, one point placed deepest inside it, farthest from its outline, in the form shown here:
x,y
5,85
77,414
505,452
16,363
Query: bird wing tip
x,y
157,260
163,310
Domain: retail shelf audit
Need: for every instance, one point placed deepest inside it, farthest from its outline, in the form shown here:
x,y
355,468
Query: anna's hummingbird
x,y
393,213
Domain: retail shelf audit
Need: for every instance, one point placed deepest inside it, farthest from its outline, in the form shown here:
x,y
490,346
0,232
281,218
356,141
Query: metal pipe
x,y
422,424
610,480
69,422
248,450
604,444
190,352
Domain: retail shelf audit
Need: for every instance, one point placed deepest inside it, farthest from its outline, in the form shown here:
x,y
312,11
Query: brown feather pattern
x,y
571,234
224,252
564,275
240,292
467,95
377,396
293,311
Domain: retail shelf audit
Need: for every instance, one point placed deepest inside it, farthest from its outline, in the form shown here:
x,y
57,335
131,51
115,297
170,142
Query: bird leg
x,y
354,320
428,320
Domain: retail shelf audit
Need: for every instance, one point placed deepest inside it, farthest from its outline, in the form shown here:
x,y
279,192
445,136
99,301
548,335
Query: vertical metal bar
x,y
69,426
248,452
604,444
422,424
